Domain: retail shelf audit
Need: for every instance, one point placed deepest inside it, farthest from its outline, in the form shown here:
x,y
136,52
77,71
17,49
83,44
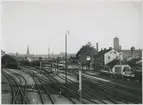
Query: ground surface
x,y
95,88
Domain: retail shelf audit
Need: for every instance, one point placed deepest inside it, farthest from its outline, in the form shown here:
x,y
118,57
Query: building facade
x,y
106,56
111,55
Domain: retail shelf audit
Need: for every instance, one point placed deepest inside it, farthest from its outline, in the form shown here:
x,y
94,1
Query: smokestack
x,y
48,51
97,47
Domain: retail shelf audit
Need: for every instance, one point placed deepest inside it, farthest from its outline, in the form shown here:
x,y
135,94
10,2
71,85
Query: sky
x,y
43,24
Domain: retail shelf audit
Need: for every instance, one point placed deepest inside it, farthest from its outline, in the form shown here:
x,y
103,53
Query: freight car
x,y
8,61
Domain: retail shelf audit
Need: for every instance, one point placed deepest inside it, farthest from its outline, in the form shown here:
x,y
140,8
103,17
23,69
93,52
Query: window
x,y
117,69
126,69
114,52
108,57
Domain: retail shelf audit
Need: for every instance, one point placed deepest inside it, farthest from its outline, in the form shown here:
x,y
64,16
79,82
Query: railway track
x,y
12,88
22,88
54,84
119,92
46,91
86,92
75,94
61,87
110,89
17,91
38,81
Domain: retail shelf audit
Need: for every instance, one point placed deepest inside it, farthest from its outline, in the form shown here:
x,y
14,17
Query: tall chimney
x,y
28,50
48,51
97,47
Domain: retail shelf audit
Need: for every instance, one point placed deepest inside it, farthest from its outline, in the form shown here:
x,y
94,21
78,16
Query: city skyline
x,y
50,53
42,24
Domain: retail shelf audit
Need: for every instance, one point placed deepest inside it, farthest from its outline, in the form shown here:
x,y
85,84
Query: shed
x,y
117,66
9,62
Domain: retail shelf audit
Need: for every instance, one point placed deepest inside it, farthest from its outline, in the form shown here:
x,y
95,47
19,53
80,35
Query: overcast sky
x,y
39,24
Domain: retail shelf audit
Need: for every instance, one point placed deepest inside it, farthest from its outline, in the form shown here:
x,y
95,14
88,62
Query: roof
x,y
6,57
133,62
140,61
112,63
116,62
102,52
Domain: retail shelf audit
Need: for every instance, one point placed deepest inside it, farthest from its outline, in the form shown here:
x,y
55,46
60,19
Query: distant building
x,y
131,54
116,45
62,55
16,53
106,56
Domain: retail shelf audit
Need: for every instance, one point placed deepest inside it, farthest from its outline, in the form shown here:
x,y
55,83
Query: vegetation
x,y
87,50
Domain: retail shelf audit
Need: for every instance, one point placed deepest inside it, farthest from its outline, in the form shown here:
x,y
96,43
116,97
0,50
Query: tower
x,y
28,50
132,51
116,44
48,52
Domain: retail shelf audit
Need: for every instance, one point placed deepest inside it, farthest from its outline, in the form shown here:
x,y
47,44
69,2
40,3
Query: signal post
x,y
83,59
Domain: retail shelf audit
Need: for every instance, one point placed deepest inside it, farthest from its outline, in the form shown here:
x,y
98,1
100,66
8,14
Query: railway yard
x,y
71,52
33,85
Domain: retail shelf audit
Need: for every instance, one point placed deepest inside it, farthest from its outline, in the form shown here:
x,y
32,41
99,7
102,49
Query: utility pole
x,y
67,32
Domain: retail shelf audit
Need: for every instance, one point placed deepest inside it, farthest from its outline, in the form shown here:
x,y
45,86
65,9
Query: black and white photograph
x,y
71,51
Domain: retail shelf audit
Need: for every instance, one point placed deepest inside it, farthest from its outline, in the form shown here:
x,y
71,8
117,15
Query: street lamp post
x,y
66,57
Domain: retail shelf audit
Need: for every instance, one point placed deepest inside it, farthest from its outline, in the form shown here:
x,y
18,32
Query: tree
x,y
87,50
